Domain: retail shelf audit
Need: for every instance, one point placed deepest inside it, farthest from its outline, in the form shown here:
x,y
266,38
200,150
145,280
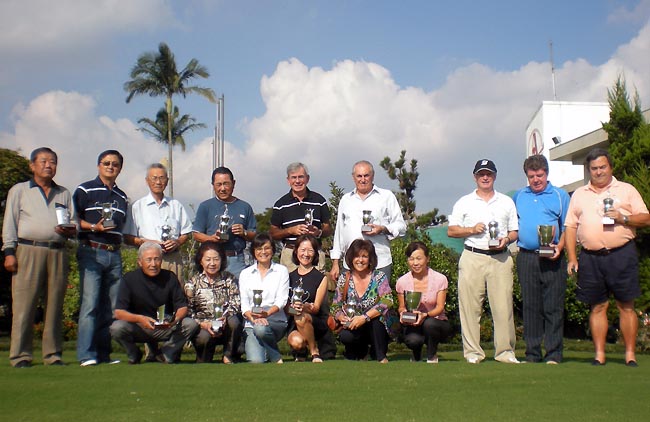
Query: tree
x,y
159,129
407,180
156,74
14,168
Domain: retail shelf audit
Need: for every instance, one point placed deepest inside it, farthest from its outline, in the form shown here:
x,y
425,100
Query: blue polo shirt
x,y
207,220
548,207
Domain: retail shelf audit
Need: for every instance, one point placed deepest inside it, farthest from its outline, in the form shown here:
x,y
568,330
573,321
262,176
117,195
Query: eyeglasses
x,y
224,184
158,178
264,249
115,164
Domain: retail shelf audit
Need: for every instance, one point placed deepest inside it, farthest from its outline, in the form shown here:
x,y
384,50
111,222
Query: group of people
x,y
249,309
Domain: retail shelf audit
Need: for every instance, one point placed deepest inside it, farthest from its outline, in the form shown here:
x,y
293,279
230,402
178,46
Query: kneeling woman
x,y
431,326
214,286
369,290
309,322
264,326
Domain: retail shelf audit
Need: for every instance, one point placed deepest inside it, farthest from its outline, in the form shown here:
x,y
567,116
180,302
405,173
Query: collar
x,y
149,199
101,183
33,184
613,183
373,190
298,199
547,190
271,268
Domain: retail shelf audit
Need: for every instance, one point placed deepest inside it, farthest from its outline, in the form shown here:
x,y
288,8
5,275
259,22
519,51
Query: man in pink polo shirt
x,y
608,259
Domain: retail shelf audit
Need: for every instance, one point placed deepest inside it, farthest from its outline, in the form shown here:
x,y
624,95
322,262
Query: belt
x,y
603,251
44,244
485,251
234,253
290,245
105,246
535,251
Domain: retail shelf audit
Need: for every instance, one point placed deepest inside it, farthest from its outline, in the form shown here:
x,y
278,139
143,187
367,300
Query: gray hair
x,y
294,167
157,166
148,246
368,163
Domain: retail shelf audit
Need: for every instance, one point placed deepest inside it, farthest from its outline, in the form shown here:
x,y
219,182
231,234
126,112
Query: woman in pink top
x,y
431,326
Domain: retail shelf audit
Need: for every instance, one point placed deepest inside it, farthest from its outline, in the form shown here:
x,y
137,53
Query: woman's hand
x,y
260,321
356,322
421,317
207,326
299,307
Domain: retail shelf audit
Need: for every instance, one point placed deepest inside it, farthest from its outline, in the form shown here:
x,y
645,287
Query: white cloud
x,y
330,118
32,26
638,14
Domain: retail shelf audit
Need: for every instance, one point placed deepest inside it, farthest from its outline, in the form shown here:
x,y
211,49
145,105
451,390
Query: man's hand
x,y
67,232
572,267
375,229
334,272
146,322
238,230
478,228
170,245
11,264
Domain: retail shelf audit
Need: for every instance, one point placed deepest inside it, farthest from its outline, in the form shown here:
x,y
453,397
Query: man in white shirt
x,y
387,221
160,219
484,266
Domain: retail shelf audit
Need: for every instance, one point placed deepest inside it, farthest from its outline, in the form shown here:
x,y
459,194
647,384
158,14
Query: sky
x,y
326,83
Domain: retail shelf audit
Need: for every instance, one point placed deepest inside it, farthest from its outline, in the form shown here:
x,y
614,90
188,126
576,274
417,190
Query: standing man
x,y
155,211
608,260
542,278
484,267
242,220
142,292
288,217
102,209
387,221
34,249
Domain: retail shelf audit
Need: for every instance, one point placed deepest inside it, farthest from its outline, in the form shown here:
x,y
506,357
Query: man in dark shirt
x,y
140,297
102,209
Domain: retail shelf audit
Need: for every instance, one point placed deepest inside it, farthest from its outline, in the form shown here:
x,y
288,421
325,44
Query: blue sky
x,y
324,82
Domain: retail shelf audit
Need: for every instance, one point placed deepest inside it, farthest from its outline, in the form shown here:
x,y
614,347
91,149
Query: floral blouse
x,y
377,296
202,294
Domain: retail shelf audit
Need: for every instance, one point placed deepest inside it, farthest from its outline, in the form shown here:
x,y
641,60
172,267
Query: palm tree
x,y
155,74
159,129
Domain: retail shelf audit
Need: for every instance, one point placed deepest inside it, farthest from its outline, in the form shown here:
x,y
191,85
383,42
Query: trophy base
x,y
108,224
409,317
366,228
160,325
608,221
493,243
293,311
223,236
67,226
257,309
546,251
217,324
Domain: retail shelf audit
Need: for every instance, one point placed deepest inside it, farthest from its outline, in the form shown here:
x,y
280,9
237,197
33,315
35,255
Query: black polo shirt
x,y
142,295
87,199
289,211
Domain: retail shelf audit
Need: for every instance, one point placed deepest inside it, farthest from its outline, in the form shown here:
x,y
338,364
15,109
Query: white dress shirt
x,y
146,218
274,286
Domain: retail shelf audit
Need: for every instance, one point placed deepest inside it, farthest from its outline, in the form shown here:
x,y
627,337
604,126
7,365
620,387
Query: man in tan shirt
x,y
608,259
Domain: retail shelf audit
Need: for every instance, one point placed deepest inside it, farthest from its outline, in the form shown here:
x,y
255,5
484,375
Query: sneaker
x,y
473,361
433,360
551,362
113,361
57,362
88,362
23,364
510,360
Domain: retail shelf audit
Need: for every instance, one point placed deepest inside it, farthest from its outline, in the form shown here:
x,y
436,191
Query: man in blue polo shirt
x,y
101,207
542,278
242,223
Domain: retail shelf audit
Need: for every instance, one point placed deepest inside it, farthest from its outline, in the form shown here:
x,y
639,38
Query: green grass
x,y
334,391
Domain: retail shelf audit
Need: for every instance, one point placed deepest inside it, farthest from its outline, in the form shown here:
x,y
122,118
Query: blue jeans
x,y
235,264
99,274
262,341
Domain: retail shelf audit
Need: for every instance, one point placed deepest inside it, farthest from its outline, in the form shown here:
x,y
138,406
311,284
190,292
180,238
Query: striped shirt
x,y
88,199
289,211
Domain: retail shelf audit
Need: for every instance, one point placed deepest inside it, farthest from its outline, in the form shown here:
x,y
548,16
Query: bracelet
x,y
626,220
367,317
92,227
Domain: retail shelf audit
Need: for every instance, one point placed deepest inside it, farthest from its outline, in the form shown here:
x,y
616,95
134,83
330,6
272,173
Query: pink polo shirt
x,y
435,283
586,214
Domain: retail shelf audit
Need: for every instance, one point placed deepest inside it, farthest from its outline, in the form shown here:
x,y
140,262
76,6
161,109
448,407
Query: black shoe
x,y
631,364
58,362
135,360
23,364
596,362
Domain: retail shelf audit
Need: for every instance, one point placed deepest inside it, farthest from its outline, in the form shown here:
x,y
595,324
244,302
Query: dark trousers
x,y
230,338
357,341
543,286
432,332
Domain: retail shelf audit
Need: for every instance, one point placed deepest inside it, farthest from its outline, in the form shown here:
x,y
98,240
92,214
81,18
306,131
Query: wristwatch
x,y
367,317
626,219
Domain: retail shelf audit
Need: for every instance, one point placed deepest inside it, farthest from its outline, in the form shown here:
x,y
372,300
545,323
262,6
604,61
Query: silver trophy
x,y
367,219
309,217
298,297
350,309
257,302
166,232
493,230
608,205
107,211
546,236
224,224
62,216
161,318
412,301
217,322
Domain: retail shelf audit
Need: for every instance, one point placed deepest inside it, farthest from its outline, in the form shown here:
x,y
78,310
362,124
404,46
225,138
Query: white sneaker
x,y
114,361
473,361
89,362
434,360
551,362
510,360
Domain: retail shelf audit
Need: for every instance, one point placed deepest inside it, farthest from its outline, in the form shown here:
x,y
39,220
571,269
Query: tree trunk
x,y
170,170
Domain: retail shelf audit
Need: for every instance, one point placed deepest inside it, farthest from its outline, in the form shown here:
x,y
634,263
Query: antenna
x,y
550,46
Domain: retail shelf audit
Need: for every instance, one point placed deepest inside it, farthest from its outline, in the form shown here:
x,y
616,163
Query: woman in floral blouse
x,y
368,290
211,292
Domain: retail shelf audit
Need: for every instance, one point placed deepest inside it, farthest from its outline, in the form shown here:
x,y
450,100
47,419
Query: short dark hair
x,y
314,244
222,170
595,154
536,162
355,249
42,150
259,240
101,156
207,246
414,246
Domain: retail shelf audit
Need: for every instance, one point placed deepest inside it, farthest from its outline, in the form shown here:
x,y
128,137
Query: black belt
x,y
603,251
290,245
44,244
485,251
105,246
535,251
233,253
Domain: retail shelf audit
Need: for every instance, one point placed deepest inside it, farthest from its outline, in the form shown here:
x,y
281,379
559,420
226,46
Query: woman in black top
x,y
309,316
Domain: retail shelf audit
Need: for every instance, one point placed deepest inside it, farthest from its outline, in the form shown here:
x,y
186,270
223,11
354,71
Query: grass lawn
x,y
333,391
